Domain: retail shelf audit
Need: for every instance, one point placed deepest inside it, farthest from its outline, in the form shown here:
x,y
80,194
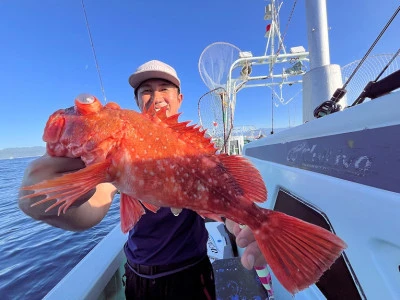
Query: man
x,y
166,252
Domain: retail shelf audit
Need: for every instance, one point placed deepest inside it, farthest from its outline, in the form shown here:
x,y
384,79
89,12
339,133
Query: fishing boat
x,y
338,169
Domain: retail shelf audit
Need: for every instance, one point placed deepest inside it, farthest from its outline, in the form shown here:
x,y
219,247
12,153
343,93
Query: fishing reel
x,y
330,106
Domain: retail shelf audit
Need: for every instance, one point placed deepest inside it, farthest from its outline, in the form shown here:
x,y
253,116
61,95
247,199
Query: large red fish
x,y
157,161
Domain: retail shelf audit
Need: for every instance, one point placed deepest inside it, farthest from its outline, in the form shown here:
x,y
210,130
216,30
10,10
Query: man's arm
x,y
91,208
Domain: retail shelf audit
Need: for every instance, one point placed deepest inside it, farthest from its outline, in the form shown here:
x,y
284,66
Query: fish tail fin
x,y
67,188
298,252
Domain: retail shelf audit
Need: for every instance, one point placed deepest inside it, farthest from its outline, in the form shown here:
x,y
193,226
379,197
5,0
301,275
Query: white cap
x,y
154,69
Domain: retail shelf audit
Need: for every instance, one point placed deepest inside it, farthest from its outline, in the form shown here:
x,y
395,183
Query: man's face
x,y
162,93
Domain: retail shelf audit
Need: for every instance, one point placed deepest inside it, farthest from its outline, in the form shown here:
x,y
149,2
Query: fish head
x,y
84,130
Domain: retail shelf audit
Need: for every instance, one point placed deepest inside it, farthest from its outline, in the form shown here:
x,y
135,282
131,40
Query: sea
x,y
35,256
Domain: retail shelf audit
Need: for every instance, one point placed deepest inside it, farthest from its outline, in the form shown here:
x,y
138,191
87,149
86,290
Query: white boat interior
x,y
339,169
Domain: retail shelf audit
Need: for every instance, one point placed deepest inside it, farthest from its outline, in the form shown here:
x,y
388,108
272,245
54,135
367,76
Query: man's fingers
x,y
252,256
230,225
50,164
64,164
244,237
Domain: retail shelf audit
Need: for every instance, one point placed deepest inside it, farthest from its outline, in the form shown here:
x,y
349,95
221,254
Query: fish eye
x,y
85,98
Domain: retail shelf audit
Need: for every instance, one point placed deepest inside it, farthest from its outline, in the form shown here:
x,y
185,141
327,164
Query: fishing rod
x,y
94,52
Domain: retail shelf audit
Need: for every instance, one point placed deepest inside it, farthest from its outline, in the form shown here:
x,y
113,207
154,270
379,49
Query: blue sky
x,y
46,58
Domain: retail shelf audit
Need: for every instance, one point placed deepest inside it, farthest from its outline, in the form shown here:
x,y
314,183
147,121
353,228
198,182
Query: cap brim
x,y
137,79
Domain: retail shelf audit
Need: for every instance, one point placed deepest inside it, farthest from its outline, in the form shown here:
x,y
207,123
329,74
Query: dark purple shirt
x,y
162,238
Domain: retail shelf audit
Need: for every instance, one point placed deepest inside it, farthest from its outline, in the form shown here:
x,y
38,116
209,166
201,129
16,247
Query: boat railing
x,y
88,279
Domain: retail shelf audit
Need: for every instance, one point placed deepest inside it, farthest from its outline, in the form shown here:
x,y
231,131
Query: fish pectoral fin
x,y
151,207
209,215
67,188
131,211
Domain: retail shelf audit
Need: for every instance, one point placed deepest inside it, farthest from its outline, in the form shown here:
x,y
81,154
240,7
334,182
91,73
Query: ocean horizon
x,y
35,256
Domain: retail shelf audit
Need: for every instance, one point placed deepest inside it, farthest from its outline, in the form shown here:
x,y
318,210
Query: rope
x,y
272,112
332,105
387,65
94,52
286,27
362,96
372,46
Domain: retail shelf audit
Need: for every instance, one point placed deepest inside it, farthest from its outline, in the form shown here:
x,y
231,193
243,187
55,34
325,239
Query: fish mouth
x,y
54,128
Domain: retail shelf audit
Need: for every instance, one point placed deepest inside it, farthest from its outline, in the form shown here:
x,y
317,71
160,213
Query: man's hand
x,y
252,255
87,212
44,168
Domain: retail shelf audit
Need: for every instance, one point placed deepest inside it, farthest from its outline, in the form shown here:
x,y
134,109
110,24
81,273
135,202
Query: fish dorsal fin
x,y
150,111
192,135
253,187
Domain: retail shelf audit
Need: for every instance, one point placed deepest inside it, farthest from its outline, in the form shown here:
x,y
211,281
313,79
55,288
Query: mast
x,y
324,78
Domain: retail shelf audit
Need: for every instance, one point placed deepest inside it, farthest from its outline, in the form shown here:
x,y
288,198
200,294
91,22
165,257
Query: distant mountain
x,y
22,152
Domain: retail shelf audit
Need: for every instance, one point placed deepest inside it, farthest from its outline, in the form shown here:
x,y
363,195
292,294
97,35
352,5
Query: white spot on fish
x,y
208,163
141,182
210,180
144,151
149,146
151,173
141,139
